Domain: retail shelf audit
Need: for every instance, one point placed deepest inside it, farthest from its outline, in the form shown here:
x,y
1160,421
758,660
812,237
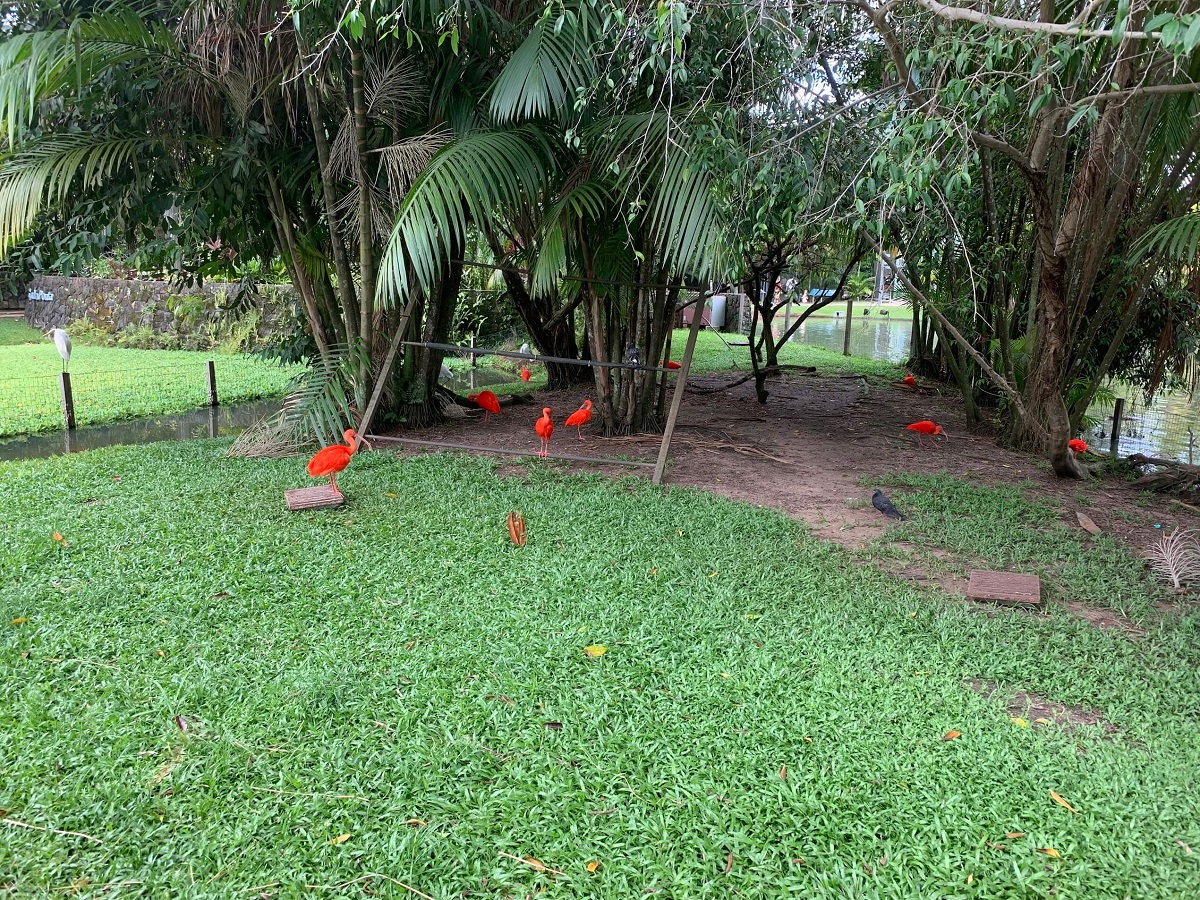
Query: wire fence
x,y
1168,427
36,403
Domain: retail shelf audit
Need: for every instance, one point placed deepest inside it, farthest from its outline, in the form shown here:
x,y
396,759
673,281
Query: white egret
x,y
62,341
524,351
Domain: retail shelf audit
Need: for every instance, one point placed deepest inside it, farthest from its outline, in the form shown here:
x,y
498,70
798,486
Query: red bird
x,y
487,401
671,364
580,417
524,373
925,428
334,458
1075,445
544,428
909,380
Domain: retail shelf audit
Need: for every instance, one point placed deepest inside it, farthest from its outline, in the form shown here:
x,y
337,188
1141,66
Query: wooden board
x,y
313,497
1086,523
1005,587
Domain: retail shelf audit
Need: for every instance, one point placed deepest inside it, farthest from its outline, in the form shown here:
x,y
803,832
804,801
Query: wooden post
x,y
214,421
849,325
68,401
471,356
1114,439
677,396
212,383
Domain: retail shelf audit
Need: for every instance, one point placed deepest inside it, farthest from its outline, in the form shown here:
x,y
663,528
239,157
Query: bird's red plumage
x,y
329,460
925,427
581,416
487,401
1077,445
671,364
544,426
909,380
524,373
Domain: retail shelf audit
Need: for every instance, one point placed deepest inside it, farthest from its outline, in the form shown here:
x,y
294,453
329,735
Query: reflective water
x,y
1163,428
216,421
873,337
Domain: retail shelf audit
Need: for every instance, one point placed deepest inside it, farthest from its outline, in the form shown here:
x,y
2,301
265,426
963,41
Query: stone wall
x,y
54,301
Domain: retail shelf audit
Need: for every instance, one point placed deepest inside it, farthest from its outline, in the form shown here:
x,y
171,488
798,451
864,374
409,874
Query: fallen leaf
x,y
410,645
729,863
1087,524
1186,848
970,878
56,536
1019,722
593,866
1063,803
1050,851
783,773
951,735
499,697
798,861
1040,721
220,595
390,494
808,739
162,654
724,674
181,722
996,846
679,531
913,614
116,478
416,823
24,656
340,839
653,572
1014,835
537,864
595,650
553,726
712,574
20,620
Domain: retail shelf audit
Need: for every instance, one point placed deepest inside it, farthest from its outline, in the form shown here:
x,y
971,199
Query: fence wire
x,y
34,403
1167,427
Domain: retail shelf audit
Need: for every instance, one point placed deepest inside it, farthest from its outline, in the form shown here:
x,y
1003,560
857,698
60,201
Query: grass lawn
x,y
393,693
111,383
15,331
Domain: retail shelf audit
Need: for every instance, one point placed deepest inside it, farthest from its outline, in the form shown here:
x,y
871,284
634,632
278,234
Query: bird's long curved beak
x,y
363,442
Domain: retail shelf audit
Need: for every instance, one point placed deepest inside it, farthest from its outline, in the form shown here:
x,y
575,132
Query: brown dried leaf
x,y
951,735
1063,803
1087,524
996,846
220,595
783,773
516,528
416,823
1050,851
729,863
20,620
553,726
340,839
161,654
1186,848
798,861
181,723
593,866
1014,835
499,697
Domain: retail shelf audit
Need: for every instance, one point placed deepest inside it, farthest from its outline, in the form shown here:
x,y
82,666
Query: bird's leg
x,y
579,430
333,482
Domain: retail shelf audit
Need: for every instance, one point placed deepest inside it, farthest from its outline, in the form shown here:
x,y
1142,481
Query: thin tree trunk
x,y
366,230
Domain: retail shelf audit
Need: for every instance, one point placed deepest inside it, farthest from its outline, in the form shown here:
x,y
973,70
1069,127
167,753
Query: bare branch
x,y
958,14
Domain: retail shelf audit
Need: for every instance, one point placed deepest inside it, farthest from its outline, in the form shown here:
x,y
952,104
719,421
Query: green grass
x,y
1001,528
345,672
110,384
14,331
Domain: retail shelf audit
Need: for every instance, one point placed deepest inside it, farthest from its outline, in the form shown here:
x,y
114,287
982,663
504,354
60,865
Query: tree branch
x,y
958,14
1005,149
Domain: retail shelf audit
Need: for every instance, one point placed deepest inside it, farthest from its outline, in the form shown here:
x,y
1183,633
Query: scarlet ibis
x,y
524,373
544,428
671,364
487,401
1075,445
334,458
880,501
909,380
580,417
925,428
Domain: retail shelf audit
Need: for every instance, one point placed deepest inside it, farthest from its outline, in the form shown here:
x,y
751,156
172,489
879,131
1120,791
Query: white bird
x,y
524,351
446,373
62,341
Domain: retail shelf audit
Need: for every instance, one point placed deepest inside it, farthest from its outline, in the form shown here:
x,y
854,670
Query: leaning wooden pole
x,y
677,396
385,371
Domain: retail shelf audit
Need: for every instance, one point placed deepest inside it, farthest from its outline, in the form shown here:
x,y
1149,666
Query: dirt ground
x,y
816,450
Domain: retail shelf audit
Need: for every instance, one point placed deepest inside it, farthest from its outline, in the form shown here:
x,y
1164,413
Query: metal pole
x,y
212,384
849,324
471,356
68,400
677,396
1114,439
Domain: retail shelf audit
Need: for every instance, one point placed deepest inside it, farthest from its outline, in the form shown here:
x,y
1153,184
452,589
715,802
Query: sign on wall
x,y
45,296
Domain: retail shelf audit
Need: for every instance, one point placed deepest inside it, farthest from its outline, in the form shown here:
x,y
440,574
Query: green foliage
x,y
341,672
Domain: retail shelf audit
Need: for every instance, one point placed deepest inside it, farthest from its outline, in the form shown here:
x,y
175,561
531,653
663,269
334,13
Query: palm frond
x,y
43,172
542,78
1176,239
472,179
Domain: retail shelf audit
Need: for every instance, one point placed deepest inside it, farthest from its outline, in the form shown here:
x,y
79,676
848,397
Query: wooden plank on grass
x,y
313,497
1005,587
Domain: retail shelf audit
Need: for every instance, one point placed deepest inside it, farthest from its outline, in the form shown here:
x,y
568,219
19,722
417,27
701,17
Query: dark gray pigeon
x,y
880,501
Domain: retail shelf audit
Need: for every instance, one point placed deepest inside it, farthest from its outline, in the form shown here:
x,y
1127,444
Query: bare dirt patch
x,y
1038,711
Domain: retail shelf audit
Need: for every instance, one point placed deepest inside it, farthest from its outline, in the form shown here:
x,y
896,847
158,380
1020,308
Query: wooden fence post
x,y
1114,439
849,325
68,401
212,383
